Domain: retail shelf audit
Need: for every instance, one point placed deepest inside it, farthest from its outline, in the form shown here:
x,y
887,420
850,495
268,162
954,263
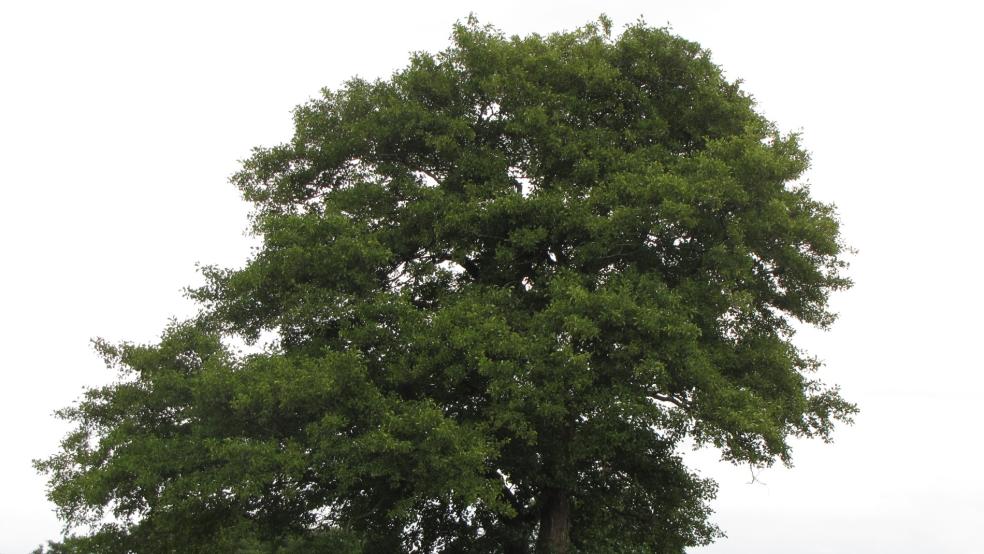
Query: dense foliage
x,y
503,286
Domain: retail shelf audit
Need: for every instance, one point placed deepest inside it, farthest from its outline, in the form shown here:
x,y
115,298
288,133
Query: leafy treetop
x,y
504,284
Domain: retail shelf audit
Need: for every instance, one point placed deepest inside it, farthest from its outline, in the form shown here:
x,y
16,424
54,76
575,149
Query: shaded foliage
x,y
504,284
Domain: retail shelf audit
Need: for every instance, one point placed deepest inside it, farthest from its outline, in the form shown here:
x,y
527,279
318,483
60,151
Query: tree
x,y
503,286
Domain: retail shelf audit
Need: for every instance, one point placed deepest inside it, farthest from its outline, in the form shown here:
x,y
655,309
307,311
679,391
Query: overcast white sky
x,y
121,121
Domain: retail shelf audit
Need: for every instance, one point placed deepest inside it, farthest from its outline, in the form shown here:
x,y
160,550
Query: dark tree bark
x,y
555,523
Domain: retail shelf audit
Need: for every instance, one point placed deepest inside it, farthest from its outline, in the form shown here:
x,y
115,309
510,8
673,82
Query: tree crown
x,y
504,283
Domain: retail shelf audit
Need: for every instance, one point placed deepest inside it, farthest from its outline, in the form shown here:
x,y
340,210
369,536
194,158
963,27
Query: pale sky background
x,y
121,121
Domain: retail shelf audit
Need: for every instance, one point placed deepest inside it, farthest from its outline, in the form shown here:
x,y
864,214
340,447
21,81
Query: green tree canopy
x,y
504,285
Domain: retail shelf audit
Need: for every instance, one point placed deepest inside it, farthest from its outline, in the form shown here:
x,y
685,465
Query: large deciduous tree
x,y
503,286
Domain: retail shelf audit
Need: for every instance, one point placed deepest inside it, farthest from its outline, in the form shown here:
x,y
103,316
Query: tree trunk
x,y
555,523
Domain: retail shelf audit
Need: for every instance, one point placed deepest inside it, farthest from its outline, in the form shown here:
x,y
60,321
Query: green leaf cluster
x,y
504,285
